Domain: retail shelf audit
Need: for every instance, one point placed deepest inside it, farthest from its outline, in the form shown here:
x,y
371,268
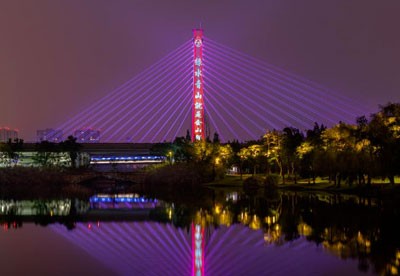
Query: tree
x,y
47,154
188,138
254,155
223,159
365,151
384,134
305,153
10,151
273,143
182,149
72,147
309,151
291,139
204,152
235,157
340,152
216,138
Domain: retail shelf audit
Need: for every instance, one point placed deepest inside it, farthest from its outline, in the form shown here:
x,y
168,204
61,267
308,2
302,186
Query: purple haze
x,y
58,57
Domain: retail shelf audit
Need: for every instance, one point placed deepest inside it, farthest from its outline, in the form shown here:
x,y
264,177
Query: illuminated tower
x,y
198,127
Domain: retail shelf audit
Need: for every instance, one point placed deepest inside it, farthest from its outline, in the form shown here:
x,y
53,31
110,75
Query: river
x,y
219,232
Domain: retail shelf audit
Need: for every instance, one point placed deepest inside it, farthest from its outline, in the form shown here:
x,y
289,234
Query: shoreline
x,y
376,189
38,182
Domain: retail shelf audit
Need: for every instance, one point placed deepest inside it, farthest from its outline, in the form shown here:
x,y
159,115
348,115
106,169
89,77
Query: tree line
x,y
47,154
351,153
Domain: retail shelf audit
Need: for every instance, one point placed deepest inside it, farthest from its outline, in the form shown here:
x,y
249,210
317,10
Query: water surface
x,y
253,233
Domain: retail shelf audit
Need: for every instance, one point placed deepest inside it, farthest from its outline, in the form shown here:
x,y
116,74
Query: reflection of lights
x,y
170,213
130,198
232,196
270,220
394,270
255,223
170,210
304,229
267,238
273,235
203,218
244,218
362,241
225,218
198,217
217,209
35,207
393,267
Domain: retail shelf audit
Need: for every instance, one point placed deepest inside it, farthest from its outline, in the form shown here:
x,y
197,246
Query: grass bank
x,y
378,186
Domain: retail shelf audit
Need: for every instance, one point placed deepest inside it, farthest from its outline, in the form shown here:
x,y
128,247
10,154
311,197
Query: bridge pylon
x,y
198,127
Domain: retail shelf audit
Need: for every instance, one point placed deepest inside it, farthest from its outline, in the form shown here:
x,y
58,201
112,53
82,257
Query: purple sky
x,y
57,57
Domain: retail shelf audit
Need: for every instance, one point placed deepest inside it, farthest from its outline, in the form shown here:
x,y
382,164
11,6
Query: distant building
x,y
7,133
87,135
49,134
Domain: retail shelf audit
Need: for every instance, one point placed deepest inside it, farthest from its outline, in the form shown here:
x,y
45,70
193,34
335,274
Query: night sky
x,y
57,57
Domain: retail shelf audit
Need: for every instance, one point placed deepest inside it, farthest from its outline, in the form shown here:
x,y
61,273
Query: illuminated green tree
x,y
365,150
384,134
273,143
255,156
203,152
309,151
339,143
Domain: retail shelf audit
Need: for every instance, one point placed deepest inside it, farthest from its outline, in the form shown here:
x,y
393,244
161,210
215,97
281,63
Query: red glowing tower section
x,y
198,128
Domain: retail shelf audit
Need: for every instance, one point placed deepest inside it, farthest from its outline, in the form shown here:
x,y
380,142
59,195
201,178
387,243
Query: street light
x,y
170,153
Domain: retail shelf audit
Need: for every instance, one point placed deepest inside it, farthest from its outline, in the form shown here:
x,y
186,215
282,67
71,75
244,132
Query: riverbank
x,y
378,187
26,183
22,183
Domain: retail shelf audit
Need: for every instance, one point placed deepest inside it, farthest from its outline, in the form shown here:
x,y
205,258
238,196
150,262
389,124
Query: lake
x,y
218,232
